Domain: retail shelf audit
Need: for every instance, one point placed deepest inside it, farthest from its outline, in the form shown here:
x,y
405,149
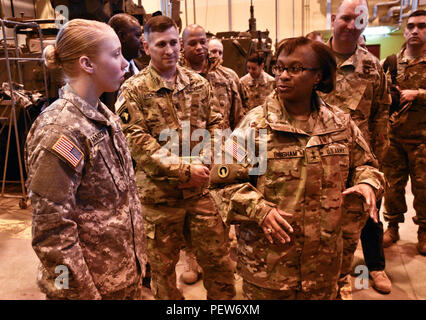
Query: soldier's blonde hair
x,y
78,37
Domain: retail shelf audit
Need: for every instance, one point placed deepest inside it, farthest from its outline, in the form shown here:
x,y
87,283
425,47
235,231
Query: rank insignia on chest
x,y
68,150
312,156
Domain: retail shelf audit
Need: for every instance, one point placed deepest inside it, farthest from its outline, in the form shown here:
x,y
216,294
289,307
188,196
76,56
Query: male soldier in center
x,y
361,91
226,90
195,48
157,106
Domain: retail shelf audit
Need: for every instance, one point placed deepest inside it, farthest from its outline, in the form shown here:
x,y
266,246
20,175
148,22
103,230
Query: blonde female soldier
x,y
87,225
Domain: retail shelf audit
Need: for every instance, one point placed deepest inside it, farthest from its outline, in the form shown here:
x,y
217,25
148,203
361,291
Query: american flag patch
x,y
68,150
119,103
235,149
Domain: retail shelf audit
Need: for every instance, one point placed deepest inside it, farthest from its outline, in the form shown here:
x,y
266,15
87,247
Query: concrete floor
x,y
18,262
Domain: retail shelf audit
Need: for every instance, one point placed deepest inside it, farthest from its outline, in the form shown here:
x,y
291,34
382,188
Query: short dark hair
x,y
314,34
158,24
417,13
121,21
323,54
256,58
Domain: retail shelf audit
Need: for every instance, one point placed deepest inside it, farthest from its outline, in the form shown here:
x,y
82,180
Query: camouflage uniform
x,y
225,89
86,213
305,176
361,91
407,152
234,77
147,106
255,91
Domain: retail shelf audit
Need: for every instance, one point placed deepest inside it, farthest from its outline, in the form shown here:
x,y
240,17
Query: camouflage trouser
x,y
405,160
354,219
253,292
194,223
132,292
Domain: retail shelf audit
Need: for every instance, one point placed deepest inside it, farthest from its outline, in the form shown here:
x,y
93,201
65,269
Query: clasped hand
x,y
199,176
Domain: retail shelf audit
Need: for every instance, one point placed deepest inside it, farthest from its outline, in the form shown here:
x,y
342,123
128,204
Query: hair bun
x,y
51,58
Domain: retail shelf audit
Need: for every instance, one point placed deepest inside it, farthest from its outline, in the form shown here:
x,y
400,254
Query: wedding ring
x,y
269,230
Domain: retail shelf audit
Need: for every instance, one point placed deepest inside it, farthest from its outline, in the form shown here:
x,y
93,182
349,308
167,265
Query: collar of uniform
x,y
260,80
353,60
114,119
67,93
402,57
278,119
157,82
211,65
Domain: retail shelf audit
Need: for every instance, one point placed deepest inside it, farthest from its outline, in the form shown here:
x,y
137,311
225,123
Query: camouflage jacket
x,y
305,176
255,91
361,90
225,89
411,74
149,108
234,77
86,213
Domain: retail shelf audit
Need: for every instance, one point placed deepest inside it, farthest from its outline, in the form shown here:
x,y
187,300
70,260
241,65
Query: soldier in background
x,y
178,210
290,212
215,48
87,221
407,153
225,89
256,85
129,32
361,91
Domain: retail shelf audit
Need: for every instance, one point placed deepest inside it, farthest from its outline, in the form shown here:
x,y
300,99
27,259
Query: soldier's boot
x,y
421,246
192,272
381,281
391,235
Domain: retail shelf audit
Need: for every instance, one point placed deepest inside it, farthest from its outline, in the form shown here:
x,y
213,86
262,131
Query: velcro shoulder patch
x,y
68,150
52,178
236,150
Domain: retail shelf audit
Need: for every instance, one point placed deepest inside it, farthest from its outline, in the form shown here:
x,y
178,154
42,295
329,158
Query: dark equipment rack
x,y
10,118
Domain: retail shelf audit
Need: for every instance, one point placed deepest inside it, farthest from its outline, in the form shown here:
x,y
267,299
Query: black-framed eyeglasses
x,y
292,70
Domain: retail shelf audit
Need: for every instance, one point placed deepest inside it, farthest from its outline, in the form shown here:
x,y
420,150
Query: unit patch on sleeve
x,y
125,116
68,150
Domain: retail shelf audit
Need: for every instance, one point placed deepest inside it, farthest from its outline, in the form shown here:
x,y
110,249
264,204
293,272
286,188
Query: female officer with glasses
x,y
290,243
